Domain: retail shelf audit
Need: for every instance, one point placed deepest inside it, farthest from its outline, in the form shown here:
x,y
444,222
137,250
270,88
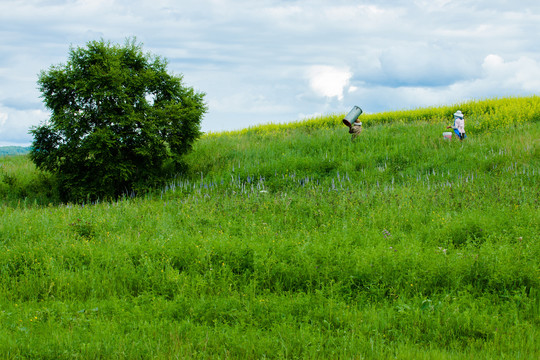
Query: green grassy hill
x,y
291,241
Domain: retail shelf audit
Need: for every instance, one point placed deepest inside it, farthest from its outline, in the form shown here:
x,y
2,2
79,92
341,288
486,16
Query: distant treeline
x,y
14,150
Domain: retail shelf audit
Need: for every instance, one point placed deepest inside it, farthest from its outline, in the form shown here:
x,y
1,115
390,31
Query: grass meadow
x,y
290,241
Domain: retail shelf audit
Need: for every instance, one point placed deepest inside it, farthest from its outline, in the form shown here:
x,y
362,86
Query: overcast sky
x,y
274,61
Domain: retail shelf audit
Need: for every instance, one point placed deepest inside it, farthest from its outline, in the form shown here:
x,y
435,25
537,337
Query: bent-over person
x,y
355,129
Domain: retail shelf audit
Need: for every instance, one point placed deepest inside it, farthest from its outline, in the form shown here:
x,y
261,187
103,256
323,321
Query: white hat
x,y
357,122
458,114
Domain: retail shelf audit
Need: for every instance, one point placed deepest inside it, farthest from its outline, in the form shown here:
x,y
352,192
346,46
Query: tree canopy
x,y
119,121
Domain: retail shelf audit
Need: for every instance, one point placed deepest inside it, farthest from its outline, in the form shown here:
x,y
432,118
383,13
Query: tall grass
x,y
290,243
21,182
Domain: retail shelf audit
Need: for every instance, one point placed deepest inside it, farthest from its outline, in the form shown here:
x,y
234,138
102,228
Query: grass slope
x,y
292,242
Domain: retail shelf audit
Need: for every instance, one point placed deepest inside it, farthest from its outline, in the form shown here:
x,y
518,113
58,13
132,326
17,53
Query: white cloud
x,y
522,74
3,118
492,62
328,81
422,65
15,124
495,77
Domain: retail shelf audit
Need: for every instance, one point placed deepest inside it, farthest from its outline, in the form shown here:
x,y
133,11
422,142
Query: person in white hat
x,y
355,129
459,125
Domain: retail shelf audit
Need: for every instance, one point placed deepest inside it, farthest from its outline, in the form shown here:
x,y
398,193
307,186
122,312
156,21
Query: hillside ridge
x,y
14,150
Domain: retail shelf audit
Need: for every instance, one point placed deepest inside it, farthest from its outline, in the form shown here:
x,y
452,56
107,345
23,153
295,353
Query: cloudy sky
x,y
278,61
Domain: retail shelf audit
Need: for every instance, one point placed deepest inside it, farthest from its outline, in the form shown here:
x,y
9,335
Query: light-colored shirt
x,y
459,124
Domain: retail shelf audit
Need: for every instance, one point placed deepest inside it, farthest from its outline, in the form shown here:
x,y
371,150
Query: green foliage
x,y
119,122
289,244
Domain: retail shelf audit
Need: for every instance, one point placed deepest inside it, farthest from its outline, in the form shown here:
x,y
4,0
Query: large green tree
x,y
119,122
